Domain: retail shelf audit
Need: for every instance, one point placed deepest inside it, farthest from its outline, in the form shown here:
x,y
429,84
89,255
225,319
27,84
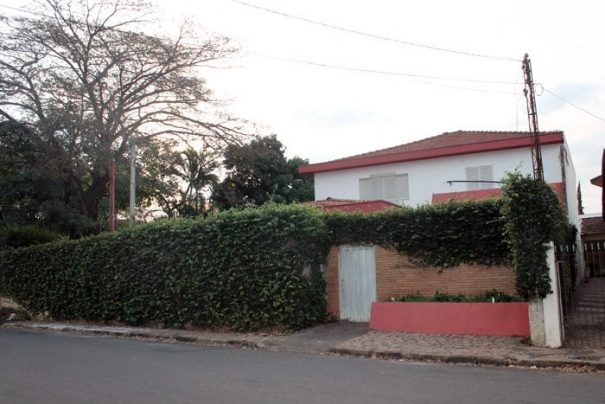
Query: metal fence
x,y
583,295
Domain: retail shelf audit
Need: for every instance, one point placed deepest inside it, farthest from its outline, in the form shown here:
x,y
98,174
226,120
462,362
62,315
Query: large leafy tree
x,y
259,172
177,181
87,81
32,189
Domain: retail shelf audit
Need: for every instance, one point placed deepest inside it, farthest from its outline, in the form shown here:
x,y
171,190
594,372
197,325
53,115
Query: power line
x,y
363,70
573,105
385,72
22,10
375,36
400,74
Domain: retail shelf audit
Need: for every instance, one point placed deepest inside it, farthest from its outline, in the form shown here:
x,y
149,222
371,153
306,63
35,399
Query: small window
x,y
477,174
391,187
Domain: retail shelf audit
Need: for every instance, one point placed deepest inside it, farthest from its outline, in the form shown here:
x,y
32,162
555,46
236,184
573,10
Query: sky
x,y
323,113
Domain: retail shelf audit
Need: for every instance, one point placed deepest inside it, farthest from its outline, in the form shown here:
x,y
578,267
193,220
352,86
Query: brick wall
x,y
397,276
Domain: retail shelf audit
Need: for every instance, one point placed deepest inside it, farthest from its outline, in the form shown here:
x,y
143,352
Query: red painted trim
x,y
373,206
494,193
353,162
498,319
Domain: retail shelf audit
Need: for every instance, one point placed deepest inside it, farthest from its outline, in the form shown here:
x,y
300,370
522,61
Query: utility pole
x,y
111,184
532,113
133,154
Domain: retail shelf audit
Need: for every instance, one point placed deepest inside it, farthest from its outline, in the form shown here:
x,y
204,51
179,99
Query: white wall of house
x,y
571,184
426,177
571,199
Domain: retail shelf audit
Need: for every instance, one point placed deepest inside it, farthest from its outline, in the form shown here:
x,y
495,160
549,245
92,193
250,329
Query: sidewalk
x,y
355,339
501,351
317,340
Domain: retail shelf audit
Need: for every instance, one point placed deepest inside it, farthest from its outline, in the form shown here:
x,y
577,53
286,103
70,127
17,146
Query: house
x,y
455,165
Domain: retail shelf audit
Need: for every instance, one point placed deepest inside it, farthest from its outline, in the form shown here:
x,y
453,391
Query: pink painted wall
x,y
499,319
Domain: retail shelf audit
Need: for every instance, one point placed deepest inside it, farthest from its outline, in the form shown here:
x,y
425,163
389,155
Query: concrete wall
x,y
430,176
396,276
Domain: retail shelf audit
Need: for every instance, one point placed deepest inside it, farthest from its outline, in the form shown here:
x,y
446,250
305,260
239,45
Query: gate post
x,y
545,315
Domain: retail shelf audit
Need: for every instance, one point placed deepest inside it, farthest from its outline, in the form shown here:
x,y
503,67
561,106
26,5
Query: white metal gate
x,y
357,275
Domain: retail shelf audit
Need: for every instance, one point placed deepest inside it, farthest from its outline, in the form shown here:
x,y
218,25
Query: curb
x,y
471,359
125,333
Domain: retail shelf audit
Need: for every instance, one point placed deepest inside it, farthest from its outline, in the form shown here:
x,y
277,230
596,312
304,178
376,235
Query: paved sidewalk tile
x,y
467,348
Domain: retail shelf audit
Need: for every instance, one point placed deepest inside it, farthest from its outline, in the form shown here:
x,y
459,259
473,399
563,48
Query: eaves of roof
x,y
379,158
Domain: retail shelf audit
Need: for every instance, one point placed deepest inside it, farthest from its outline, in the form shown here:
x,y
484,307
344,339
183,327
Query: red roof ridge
x,y
447,143
335,201
519,132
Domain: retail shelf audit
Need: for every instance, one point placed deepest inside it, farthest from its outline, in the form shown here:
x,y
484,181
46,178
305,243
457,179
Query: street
x,y
59,368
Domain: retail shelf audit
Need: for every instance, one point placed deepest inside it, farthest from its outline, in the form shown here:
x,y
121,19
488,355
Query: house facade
x,y
453,165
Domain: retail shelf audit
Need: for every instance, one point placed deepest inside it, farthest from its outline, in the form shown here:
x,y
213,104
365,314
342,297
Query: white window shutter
x,y
472,174
365,188
391,187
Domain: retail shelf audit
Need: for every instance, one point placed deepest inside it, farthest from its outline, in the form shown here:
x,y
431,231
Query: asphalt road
x,y
53,368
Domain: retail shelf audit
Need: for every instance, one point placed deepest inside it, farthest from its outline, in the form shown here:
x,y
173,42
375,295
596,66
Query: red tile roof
x,y
352,205
494,193
593,225
446,144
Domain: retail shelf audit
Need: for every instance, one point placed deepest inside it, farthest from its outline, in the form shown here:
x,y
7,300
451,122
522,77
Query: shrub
x,y
243,269
25,235
533,218
240,269
489,296
443,235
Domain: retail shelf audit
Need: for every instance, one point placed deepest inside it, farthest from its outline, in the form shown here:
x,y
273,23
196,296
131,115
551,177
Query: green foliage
x,y
244,269
259,172
533,218
239,269
177,181
33,183
489,296
443,235
24,236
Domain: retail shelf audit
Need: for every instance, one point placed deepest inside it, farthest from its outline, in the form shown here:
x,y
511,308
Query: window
x,y
390,187
479,173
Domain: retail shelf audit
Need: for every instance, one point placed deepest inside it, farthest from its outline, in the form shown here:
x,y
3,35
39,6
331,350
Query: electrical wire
x,y
400,74
375,36
22,10
364,70
385,72
573,105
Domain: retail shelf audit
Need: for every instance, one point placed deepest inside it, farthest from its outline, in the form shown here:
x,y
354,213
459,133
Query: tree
x,y
31,186
259,172
178,181
88,81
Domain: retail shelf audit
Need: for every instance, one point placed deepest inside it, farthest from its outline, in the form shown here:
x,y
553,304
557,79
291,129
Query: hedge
x,y
18,236
533,218
242,269
239,269
443,235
